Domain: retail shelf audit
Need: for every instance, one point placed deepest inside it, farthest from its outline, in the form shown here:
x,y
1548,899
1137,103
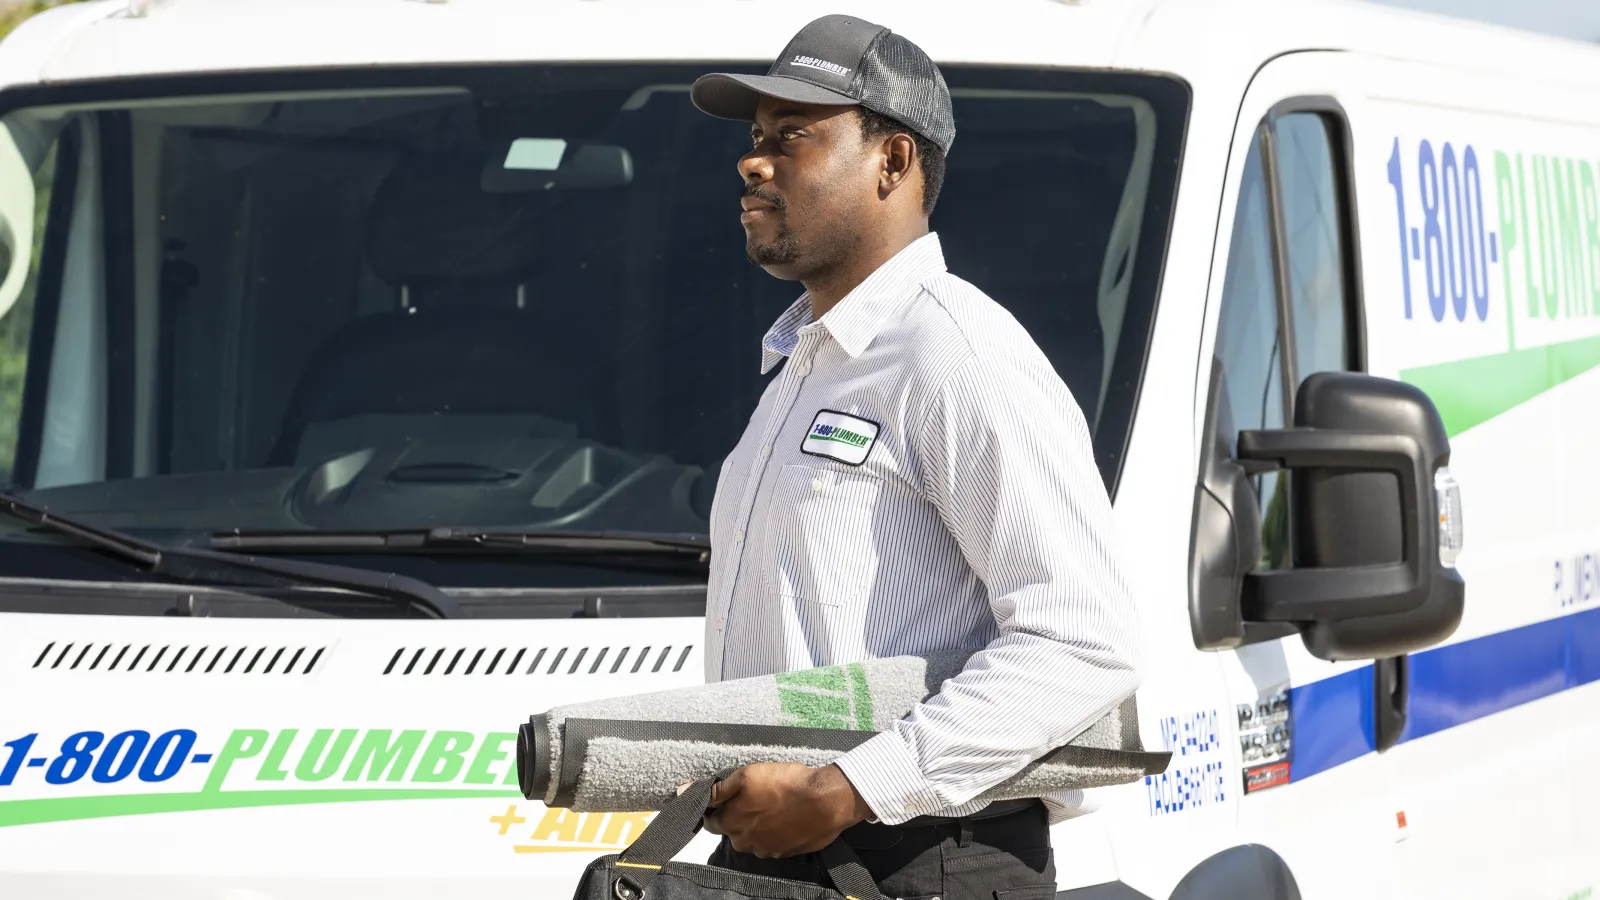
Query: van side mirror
x,y
1373,572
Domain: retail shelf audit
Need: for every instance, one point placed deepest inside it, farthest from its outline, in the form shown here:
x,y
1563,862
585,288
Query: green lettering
x,y
1505,202
1591,221
1549,256
242,743
1527,251
445,756
272,766
376,754
489,752
1575,292
317,766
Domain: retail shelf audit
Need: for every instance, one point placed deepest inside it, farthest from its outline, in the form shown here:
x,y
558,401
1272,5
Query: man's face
x,y
807,181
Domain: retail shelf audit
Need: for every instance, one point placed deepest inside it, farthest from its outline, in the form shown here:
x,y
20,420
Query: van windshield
x,y
503,298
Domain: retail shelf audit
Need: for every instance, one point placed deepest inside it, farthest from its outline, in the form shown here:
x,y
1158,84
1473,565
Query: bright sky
x,y
1566,18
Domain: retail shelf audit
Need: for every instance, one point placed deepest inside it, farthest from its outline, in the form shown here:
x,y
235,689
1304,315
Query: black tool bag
x,y
643,871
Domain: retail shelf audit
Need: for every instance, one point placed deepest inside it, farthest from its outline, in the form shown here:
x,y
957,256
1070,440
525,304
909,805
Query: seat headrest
x,y
432,223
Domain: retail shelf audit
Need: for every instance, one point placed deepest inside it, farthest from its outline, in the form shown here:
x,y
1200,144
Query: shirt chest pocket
x,y
821,542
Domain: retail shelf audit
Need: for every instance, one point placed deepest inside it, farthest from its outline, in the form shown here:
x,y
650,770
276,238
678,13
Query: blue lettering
x,y
1576,580
1452,239
1192,786
167,755
1195,733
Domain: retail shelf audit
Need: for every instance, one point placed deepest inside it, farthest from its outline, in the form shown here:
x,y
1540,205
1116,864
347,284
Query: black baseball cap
x,y
842,60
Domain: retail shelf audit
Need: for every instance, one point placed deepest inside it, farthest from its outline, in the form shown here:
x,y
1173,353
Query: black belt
x,y
993,810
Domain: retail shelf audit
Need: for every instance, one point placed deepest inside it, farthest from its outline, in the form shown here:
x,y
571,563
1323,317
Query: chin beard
x,y
781,250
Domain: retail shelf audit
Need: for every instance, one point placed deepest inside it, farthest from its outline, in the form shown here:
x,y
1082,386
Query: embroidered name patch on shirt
x,y
845,438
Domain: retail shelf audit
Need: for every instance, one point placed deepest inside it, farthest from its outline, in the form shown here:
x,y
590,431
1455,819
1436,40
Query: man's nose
x,y
755,167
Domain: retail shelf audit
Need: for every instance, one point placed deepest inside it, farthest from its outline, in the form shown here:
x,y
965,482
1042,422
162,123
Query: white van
x,y
433,317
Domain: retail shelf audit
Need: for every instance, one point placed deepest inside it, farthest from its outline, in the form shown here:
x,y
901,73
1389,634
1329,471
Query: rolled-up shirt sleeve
x,y
1007,460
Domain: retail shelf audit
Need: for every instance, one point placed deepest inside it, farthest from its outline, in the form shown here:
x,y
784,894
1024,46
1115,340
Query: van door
x,y
1481,238
1288,305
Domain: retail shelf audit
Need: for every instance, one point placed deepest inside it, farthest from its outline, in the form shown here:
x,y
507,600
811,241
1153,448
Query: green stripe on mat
x,y
63,809
1470,392
863,697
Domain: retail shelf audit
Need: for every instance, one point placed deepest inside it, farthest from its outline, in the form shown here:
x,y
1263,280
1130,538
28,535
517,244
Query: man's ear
x,y
899,156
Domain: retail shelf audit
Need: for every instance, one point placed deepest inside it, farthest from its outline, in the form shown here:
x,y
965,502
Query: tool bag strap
x,y
681,819
847,873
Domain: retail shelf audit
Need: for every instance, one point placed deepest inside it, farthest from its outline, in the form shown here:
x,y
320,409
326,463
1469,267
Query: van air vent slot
x,y
607,660
181,659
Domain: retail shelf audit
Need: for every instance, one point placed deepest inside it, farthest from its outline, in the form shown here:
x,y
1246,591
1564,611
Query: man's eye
x,y
789,134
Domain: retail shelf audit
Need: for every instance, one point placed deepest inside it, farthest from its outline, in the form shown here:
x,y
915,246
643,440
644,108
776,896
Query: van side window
x,y
1288,290
1249,343
1311,228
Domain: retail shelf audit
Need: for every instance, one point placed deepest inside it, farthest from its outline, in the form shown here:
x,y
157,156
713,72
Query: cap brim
x,y
736,96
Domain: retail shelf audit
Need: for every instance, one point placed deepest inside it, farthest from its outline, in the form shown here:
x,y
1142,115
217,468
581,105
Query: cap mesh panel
x,y
900,81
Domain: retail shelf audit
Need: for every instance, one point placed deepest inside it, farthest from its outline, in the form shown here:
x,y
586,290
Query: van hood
x,y
178,757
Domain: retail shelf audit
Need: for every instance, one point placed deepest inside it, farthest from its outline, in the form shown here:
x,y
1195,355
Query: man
x,y
916,478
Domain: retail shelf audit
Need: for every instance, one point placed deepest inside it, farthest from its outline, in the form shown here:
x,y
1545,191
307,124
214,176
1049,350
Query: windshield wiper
x,y
604,543
197,566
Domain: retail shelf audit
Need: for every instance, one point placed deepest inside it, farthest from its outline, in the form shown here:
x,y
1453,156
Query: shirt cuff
x,y
889,778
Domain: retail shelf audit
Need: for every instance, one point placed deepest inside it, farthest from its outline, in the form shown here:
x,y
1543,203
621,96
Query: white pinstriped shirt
x,y
976,520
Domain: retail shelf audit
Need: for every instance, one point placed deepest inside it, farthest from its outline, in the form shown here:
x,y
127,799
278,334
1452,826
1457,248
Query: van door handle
x,y
1391,686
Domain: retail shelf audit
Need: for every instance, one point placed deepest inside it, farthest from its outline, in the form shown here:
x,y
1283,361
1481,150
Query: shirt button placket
x,y
798,367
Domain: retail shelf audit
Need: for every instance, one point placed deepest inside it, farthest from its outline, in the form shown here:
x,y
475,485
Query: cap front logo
x,y
811,62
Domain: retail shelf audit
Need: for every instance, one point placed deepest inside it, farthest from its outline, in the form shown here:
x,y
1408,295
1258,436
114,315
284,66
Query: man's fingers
x,y
727,788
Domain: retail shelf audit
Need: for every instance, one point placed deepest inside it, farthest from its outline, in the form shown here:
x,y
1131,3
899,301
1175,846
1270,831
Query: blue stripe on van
x,y
1322,714
1450,685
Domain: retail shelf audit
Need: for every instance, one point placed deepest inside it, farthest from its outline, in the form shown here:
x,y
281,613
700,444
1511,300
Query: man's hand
x,y
773,810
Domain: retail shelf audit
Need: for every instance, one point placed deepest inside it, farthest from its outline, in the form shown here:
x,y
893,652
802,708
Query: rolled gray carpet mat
x,y
630,753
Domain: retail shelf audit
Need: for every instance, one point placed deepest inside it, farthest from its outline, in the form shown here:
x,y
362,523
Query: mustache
x,y
765,196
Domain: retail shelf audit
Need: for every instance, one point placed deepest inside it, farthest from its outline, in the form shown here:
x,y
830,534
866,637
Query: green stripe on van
x,y
66,809
1469,392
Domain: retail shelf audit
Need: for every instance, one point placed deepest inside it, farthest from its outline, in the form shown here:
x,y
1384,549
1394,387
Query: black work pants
x,y
1004,857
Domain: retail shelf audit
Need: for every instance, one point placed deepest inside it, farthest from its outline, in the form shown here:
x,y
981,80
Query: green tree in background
x,y
16,325
11,15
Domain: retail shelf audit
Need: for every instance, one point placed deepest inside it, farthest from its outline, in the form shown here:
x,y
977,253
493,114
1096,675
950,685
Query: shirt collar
x,y
855,320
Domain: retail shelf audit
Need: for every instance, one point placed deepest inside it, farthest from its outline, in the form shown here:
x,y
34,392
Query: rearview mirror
x,y
543,164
